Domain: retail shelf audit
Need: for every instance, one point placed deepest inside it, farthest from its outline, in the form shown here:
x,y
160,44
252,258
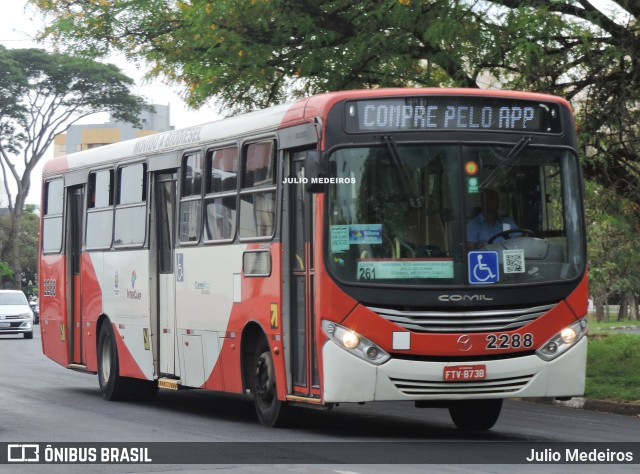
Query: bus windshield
x,y
451,214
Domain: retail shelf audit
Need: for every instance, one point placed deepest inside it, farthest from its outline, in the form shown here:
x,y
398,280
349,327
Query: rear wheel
x,y
270,410
475,415
112,385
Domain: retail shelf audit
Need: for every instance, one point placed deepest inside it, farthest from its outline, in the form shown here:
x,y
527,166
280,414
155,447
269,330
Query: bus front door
x,y
298,240
167,270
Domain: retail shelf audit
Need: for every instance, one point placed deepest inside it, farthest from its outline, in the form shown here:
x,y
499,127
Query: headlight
x,y
26,315
354,343
562,341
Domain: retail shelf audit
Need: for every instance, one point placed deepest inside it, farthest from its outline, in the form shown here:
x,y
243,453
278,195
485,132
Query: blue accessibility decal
x,y
483,267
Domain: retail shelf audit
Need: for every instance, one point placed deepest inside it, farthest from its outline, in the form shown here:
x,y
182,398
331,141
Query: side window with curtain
x,y
100,209
131,206
258,190
221,194
52,217
190,198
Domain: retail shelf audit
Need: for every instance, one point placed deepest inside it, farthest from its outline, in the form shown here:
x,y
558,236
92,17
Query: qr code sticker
x,y
513,261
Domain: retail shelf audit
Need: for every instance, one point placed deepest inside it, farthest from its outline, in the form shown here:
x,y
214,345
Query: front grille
x,y
484,387
462,321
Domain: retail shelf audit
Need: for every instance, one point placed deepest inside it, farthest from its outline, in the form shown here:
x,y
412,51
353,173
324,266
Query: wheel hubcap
x,y
265,383
106,360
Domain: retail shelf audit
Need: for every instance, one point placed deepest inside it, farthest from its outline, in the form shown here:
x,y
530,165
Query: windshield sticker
x,y
405,269
365,234
339,238
472,185
483,267
355,234
513,261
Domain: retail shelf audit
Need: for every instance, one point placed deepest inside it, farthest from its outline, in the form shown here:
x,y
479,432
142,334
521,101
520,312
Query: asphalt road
x,y
44,402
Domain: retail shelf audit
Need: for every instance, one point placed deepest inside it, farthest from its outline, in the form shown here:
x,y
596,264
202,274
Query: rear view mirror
x,y
314,171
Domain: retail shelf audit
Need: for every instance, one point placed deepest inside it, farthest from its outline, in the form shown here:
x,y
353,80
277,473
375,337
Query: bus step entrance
x,y
170,384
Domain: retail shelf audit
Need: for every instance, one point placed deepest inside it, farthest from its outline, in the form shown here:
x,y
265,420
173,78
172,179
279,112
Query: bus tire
x,y
475,415
270,410
112,385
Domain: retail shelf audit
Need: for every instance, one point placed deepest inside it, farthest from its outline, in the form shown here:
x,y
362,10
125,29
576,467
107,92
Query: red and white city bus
x,y
424,245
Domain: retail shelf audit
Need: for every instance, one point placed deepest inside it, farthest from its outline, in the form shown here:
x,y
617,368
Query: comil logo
x,y
23,453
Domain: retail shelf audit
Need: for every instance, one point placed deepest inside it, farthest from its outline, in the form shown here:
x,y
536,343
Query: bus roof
x,y
261,121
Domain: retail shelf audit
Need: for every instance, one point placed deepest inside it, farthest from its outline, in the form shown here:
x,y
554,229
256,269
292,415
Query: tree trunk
x,y
633,306
13,252
15,231
622,309
599,305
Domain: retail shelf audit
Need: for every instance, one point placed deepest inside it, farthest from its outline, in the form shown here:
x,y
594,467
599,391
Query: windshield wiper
x,y
515,151
415,200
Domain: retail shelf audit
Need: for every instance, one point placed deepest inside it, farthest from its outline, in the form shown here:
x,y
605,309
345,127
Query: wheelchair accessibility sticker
x,y
483,267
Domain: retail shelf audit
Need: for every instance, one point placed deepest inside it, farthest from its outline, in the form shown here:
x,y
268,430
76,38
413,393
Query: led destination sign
x,y
448,113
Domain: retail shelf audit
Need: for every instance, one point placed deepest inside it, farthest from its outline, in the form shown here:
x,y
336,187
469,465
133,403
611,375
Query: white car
x,y
16,316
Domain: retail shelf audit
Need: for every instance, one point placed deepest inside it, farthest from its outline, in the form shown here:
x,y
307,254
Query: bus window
x,y
100,209
220,199
131,219
52,220
191,191
258,193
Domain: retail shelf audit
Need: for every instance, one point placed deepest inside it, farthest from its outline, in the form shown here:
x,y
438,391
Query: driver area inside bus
x,y
518,211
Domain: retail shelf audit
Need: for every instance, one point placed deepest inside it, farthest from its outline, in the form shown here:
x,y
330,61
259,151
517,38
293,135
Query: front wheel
x,y
270,410
475,415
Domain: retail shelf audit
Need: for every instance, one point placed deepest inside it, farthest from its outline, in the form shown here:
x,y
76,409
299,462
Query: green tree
x,y
614,250
254,53
28,243
5,271
41,95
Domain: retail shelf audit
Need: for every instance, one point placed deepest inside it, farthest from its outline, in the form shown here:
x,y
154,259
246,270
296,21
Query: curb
x,y
580,403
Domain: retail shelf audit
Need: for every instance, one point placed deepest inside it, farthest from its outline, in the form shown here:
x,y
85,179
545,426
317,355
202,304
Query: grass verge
x,y
613,367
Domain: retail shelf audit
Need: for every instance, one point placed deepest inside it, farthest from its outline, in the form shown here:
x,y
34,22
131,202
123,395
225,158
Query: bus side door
x,y
166,270
75,213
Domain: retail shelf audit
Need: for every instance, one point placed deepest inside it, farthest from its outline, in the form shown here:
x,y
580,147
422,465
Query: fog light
x,y
330,328
552,347
350,340
372,352
568,335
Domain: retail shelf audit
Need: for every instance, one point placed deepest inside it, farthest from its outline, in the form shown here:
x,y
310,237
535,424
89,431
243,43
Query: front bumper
x,y
350,379
16,326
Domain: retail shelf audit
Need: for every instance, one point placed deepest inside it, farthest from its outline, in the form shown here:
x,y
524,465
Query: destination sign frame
x,y
452,113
